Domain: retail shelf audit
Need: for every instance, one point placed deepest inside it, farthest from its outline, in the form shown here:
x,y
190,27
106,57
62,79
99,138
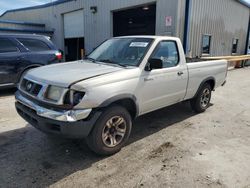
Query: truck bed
x,y
200,70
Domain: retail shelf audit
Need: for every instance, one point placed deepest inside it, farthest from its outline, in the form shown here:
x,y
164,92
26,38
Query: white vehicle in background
x,y
125,77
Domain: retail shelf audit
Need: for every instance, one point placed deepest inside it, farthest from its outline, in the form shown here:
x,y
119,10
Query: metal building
x,y
214,27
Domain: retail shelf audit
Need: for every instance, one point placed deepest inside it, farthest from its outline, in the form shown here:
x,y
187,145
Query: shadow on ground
x,y
29,158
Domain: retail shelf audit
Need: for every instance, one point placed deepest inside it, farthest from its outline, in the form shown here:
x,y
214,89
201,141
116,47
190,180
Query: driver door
x,y
167,85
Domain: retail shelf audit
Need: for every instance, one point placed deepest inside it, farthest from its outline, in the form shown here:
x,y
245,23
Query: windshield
x,y
121,51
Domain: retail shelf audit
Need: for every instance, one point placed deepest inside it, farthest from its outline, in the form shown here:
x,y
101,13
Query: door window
x,y
167,51
34,45
7,45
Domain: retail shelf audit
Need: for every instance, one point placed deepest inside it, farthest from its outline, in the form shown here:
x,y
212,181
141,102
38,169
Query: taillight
x,y
58,55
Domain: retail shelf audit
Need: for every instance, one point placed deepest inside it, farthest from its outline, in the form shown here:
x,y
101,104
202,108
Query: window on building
x,y
167,51
34,45
7,46
235,46
206,44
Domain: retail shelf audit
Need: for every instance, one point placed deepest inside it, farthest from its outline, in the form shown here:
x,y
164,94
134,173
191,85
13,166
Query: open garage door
x,y
135,21
74,35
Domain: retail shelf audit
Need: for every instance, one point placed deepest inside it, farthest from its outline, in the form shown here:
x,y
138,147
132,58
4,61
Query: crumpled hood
x,y
66,74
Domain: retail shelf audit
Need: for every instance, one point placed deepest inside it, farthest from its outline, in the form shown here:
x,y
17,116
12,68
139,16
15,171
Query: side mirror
x,y
153,64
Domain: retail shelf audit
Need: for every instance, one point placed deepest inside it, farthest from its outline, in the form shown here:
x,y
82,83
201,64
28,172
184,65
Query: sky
x,y
14,4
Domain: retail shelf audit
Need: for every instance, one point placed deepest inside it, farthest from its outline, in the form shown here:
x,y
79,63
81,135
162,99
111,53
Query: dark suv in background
x,y
19,53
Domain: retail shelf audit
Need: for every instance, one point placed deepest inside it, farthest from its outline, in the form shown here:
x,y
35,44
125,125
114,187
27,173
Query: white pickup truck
x,y
125,77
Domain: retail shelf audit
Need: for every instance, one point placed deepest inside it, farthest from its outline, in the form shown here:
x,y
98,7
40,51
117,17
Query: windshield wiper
x,y
112,62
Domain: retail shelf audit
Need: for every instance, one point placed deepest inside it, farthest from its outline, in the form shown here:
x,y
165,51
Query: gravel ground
x,y
172,147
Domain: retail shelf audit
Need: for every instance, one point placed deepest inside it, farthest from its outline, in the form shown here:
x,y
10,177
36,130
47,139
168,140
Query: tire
x,y
202,100
111,131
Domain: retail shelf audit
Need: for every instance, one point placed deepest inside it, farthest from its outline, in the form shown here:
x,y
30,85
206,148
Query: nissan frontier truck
x,y
125,77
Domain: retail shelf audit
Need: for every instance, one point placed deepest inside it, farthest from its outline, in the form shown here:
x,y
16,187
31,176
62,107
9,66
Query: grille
x,y
31,87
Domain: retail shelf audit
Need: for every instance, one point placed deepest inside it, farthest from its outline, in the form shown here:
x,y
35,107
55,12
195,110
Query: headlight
x,y
54,93
73,97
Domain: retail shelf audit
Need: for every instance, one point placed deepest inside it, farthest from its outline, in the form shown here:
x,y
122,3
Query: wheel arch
x,y
127,101
210,81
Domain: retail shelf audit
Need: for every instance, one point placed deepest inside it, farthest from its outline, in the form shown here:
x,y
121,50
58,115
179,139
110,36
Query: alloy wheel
x,y
114,131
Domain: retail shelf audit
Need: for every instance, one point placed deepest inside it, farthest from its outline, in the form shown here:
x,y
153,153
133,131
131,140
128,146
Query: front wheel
x,y
111,131
202,100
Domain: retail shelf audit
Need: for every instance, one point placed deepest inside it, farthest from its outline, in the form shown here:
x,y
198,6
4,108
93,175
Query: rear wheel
x,y
202,100
111,131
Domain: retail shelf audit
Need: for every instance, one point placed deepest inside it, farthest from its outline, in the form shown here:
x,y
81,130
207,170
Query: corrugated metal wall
x,y
223,20
99,26
180,19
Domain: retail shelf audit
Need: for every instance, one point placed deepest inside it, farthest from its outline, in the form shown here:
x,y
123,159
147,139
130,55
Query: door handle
x,y
180,73
148,79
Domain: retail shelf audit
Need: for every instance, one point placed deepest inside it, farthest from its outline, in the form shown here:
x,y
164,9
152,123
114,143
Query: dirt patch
x,y
158,152
208,181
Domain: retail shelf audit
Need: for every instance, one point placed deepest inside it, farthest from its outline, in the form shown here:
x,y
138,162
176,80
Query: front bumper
x,y
63,115
73,129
